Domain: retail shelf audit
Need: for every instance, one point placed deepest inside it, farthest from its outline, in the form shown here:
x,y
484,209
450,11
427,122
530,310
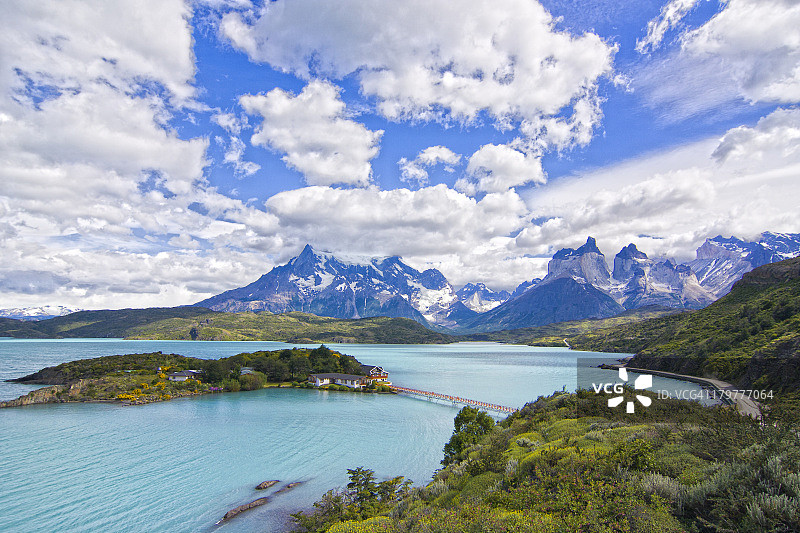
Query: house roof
x,y
187,373
335,375
369,368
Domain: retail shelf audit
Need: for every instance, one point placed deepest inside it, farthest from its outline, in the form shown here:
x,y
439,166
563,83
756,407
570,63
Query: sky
x,y
158,152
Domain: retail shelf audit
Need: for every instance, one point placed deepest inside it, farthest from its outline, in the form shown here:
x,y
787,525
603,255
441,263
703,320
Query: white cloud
x,y
668,203
96,189
497,168
669,18
230,122
773,142
234,156
313,132
759,41
432,226
435,59
414,172
748,52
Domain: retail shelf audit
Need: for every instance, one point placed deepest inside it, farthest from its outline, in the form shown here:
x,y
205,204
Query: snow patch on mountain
x,y
37,313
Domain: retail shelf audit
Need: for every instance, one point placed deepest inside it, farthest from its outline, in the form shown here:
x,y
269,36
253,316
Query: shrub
x,y
232,385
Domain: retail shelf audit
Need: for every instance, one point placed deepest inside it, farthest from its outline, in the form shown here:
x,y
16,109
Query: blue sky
x,y
158,153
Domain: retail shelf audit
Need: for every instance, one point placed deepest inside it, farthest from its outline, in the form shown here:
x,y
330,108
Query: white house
x,y
376,374
348,380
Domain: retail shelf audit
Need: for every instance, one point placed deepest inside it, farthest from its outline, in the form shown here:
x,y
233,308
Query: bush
x,y
232,385
253,381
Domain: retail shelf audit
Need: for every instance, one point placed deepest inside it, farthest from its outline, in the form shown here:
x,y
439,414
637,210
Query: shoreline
x,y
51,395
726,391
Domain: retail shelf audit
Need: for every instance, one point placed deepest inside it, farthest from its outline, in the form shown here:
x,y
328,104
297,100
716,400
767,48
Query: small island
x,y
153,377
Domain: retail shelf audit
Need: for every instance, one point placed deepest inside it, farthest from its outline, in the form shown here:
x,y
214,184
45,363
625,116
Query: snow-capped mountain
x,y
37,313
638,281
587,264
721,262
480,298
344,286
580,285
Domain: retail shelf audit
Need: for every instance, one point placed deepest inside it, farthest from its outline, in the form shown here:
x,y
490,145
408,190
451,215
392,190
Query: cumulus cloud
x,y
775,140
97,191
414,172
671,15
496,168
313,132
741,185
432,226
435,60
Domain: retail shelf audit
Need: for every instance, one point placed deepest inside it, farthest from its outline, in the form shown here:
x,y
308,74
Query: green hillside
x,y
97,324
750,336
290,327
198,323
570,463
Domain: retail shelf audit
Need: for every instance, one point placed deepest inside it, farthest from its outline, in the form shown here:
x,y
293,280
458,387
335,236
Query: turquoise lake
x,y
181,465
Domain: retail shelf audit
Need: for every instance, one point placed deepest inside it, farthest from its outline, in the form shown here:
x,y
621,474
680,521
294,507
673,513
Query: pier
x,y
455,400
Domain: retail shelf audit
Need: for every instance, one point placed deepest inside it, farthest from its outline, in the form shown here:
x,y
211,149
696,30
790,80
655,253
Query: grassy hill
x,y
198,323
97,324
554,334
750,336
290,327
570,463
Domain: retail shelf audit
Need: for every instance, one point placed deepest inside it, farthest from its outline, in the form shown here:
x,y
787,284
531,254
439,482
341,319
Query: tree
x,y
299,367
214,371
470,425
323,359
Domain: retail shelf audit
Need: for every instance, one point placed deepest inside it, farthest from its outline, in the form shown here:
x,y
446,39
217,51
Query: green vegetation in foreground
x,y
750,337
134,378
198,323
554,334
569,463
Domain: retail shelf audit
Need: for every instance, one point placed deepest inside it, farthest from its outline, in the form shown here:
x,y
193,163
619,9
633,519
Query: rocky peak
x,y
587,264
629,262
433,279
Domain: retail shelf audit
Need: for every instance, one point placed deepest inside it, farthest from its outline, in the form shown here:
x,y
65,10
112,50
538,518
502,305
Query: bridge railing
x,y
454,399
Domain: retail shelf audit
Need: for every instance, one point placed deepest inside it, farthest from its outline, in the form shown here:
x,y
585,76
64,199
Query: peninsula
x,y
152,377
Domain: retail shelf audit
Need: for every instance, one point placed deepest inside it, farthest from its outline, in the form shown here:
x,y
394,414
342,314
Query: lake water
x,y
181,465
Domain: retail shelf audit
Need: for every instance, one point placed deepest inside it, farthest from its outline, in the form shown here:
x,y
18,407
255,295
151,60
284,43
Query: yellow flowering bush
x,y
125,396
378,524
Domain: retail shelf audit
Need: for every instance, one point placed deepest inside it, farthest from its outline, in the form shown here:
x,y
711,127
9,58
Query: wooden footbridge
x,y
455,400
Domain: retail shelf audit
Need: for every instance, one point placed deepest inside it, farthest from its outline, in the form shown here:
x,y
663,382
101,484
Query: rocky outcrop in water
x,y
255,503
261,501
54,394
267,484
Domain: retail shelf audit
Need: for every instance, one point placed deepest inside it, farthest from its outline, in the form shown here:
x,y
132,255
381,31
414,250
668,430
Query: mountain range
x,y
579,284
